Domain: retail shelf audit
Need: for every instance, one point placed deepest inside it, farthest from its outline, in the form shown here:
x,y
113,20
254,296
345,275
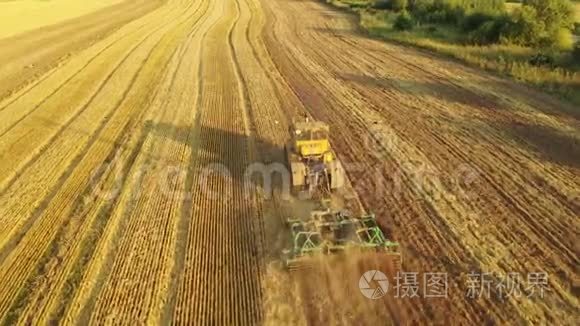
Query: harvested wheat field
x,y
126,134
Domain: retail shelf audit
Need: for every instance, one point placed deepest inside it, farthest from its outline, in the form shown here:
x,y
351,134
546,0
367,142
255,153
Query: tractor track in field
x,y
81,154
47,75
83,107
28,65
130,240
173,77
173,311
184,222
70,78
127,200
228,225
102,126
498,189
434,136
141,203
398,121
300,94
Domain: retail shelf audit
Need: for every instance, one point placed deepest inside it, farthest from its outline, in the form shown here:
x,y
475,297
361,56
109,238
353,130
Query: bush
x,y
436,11
483,6
563,39
474,21
381,4
491,31
404,22
484,34
542,60
526,28
445,14
485,27
576,52
454,11
420,8
399,5
416,4
543,23
555,16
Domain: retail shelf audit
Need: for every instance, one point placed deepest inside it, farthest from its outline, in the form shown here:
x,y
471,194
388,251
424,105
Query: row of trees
x,y
537,23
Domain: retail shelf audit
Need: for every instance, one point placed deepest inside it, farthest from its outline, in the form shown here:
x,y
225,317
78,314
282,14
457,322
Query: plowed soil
x,y
126,138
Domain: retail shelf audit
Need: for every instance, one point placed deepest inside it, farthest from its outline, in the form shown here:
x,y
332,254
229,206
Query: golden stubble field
x,y
126,132
20,16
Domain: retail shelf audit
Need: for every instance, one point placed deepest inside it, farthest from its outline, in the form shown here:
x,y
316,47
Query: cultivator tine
x,y
394,260
398,262
300,264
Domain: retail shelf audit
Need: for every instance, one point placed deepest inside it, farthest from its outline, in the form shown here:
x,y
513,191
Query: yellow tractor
x,y
313,164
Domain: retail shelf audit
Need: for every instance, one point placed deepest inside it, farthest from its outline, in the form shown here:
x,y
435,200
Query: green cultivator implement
x,y
326,232
370,235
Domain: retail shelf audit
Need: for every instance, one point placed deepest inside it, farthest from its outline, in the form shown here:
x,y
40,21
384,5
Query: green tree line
x,y
536,23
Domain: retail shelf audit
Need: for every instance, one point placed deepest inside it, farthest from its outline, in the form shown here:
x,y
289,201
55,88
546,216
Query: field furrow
x,y
143,169
66,145
30,55
221,266
82,167
409,109
152,226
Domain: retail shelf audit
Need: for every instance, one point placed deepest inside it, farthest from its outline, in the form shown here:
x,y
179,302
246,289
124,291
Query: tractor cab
x,y
310,140
312,162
